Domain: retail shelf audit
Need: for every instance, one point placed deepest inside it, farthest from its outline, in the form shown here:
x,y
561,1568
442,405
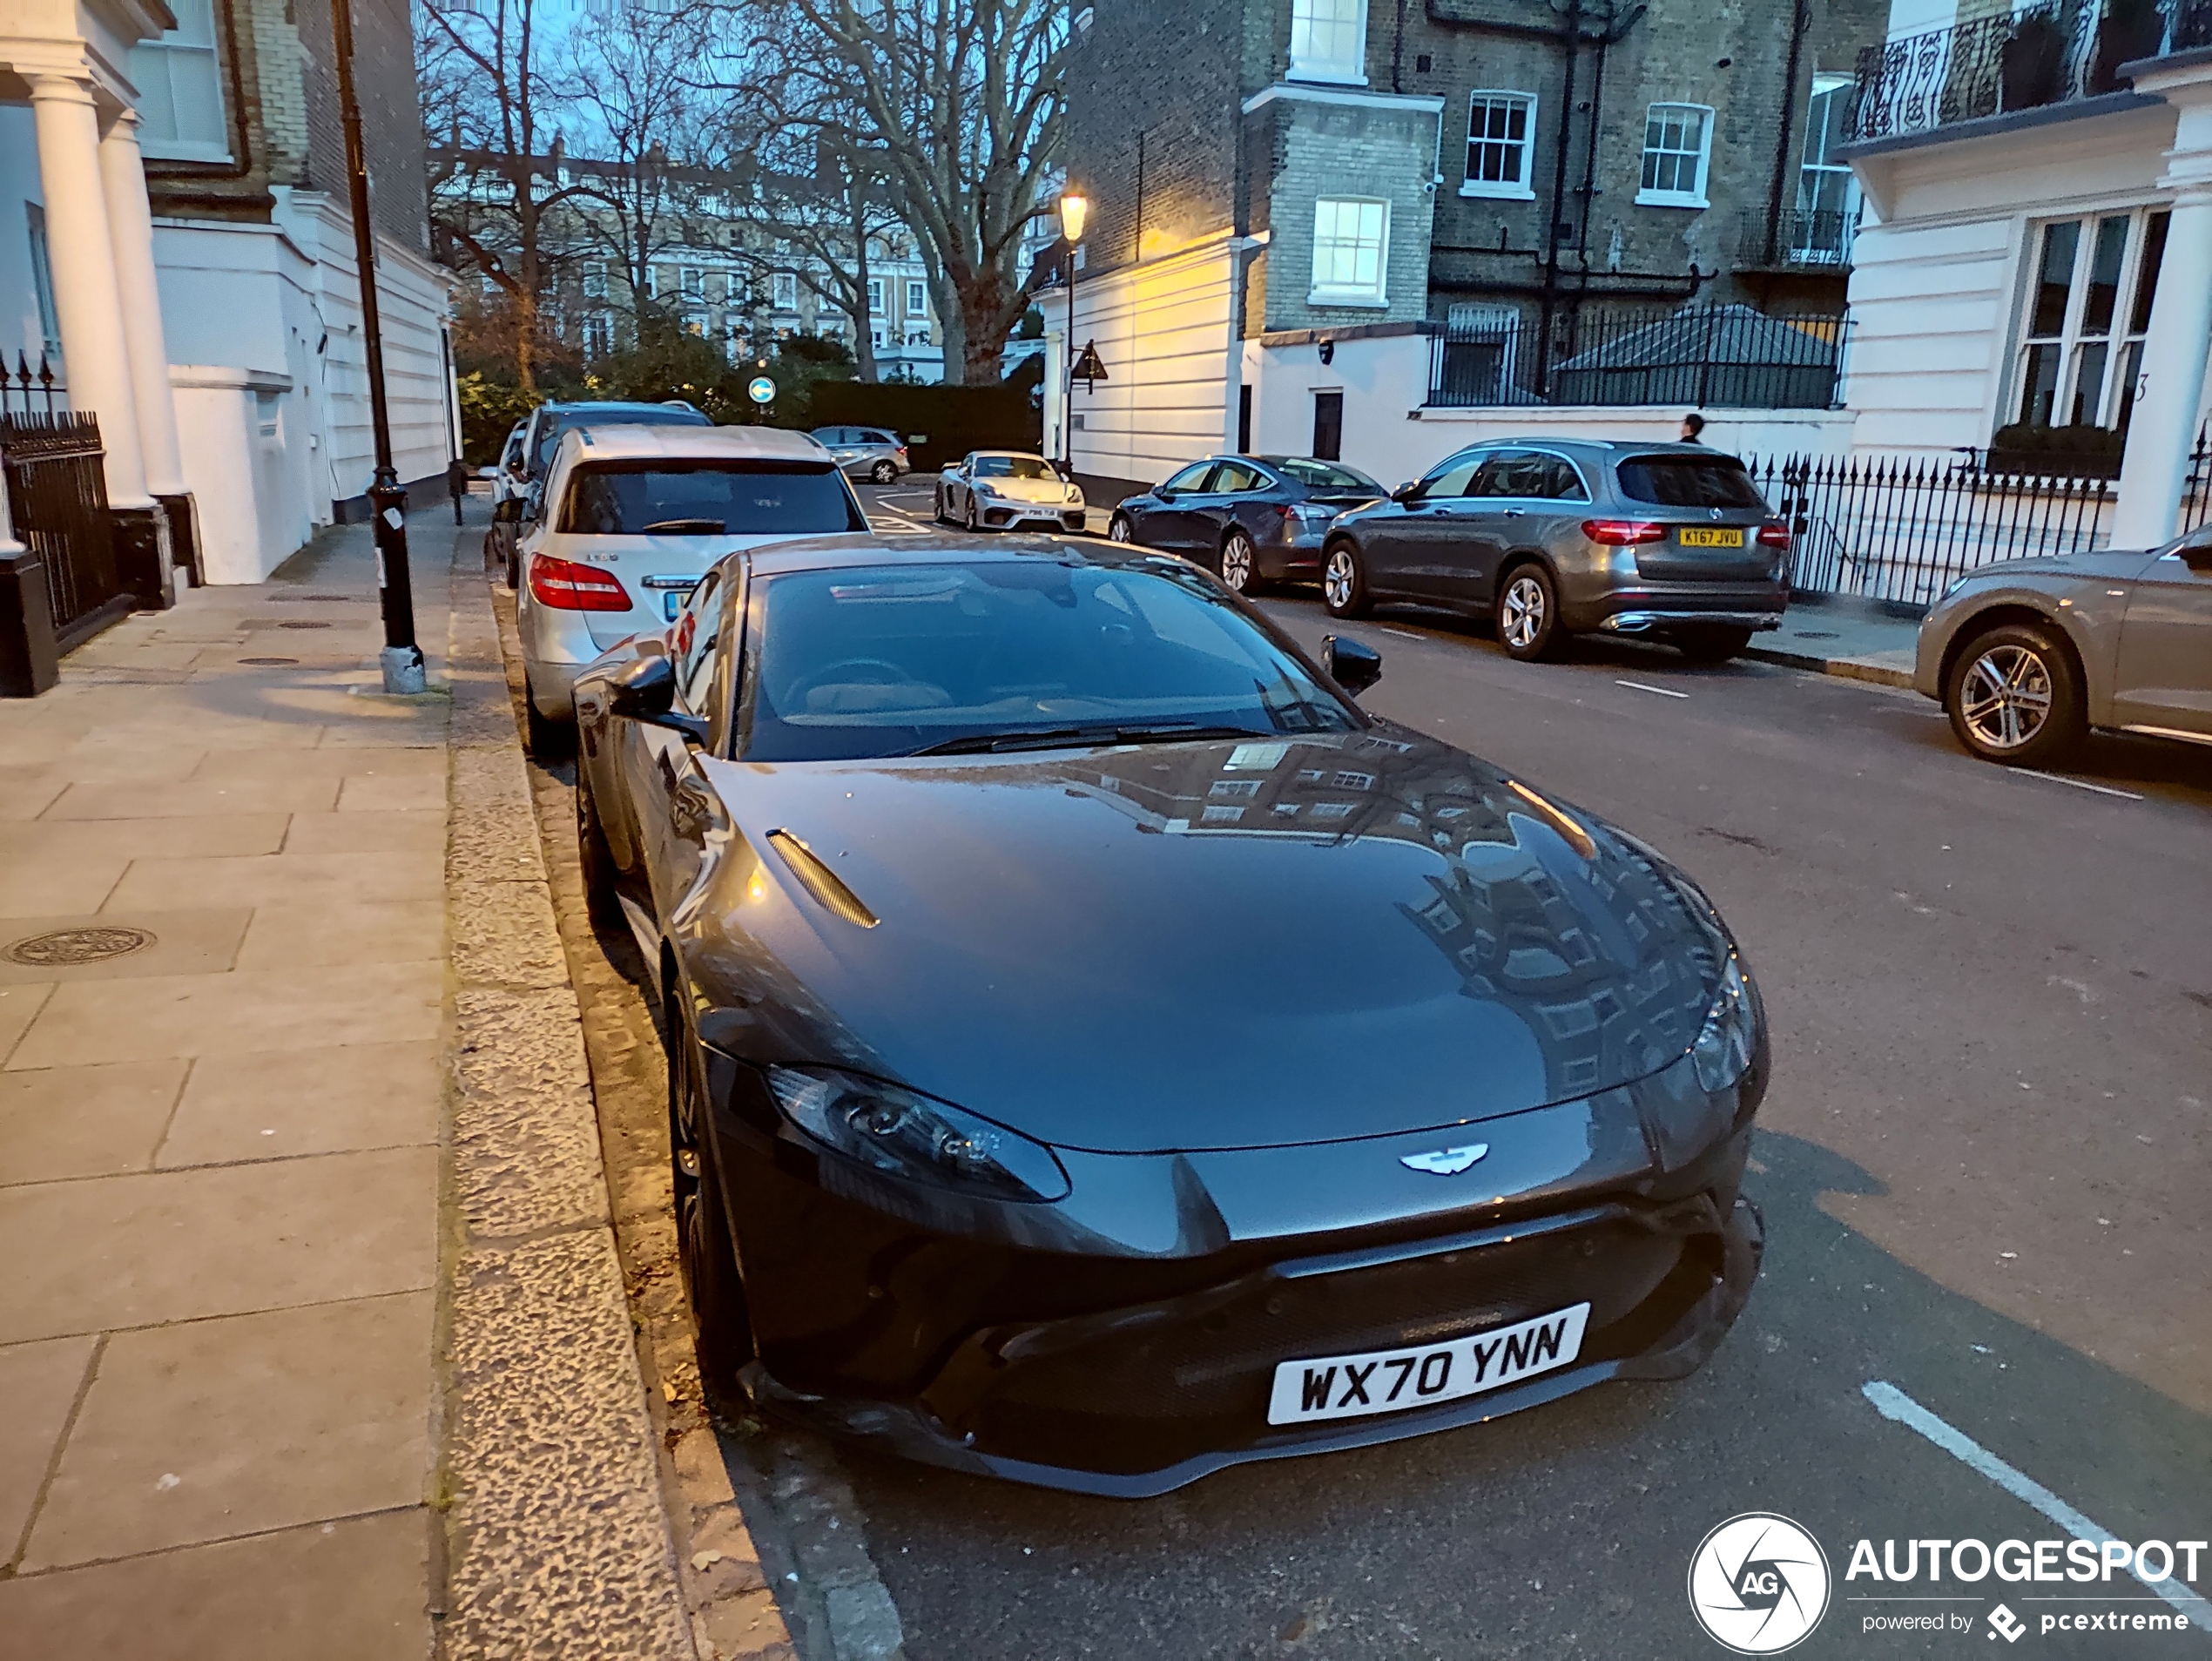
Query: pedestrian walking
x,y
1692,424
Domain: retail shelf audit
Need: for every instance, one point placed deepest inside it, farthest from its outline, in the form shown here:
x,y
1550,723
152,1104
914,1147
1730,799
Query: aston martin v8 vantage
x,y
1100,1052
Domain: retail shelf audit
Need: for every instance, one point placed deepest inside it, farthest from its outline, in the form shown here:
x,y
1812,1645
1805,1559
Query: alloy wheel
x,y
1340,581
1236,562
684,1163
1117,530
969,520
1520,615
884,473
2006,696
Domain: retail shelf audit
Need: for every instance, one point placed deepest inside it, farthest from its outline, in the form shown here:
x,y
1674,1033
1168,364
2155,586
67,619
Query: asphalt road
x,y
1983,1166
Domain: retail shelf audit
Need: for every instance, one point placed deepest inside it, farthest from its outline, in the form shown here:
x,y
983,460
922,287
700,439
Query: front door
x,y
2164,678
1174,524
1328,426
1436,523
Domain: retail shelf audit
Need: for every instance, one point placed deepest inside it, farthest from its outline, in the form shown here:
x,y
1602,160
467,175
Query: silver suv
x,y
1556,537
866,452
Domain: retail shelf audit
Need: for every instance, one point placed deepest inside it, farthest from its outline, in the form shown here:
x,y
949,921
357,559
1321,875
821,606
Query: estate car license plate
x,y
1711,536
672,601
1391,1380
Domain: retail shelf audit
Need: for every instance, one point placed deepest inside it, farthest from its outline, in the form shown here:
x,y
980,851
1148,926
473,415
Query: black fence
x,y
58,499
1902,529
2014,60
1710,357
1803,239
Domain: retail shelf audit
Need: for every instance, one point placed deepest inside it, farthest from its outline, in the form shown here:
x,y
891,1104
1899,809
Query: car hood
x,y
1023,489
2110,565
1203,946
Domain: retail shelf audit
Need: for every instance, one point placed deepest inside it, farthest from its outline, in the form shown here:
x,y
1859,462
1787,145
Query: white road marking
x,y
2080,784
1894,1405
1403,634
893,529
1663,692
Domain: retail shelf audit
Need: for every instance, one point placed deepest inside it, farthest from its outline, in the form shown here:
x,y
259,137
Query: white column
x,y
2161,432
131,227
85,296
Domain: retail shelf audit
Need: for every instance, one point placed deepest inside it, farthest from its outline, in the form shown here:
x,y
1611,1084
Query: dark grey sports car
x,y
1101,1053
1252,519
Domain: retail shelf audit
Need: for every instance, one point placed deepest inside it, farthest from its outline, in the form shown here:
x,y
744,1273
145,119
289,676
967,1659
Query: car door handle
x,y
1514,513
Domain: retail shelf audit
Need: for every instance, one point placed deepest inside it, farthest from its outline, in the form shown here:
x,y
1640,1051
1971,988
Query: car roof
x,y
646,442
1601,446
1026,455
854,548
678,411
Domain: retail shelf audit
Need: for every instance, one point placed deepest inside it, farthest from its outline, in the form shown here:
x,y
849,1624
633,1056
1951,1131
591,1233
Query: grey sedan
x,y
2027,656
1557,537
866,452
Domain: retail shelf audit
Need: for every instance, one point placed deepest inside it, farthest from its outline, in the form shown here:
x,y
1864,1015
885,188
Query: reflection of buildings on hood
x,y
1585,940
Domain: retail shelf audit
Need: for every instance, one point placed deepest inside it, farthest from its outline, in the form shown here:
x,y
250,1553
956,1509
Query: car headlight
x,y
1730,1036
1074,495
902,1133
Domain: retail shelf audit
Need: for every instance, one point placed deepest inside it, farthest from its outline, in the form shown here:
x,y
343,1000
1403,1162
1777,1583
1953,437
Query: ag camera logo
x,y
1758,1583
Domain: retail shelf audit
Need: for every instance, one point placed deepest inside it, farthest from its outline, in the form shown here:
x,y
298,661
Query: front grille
x,y
1201,1379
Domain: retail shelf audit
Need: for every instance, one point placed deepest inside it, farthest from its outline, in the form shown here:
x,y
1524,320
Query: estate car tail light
x,y
564,585
1775,535
1622,533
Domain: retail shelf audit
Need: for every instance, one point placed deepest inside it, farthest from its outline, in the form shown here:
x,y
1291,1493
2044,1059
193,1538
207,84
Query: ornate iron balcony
x,y
1801,239
2022,60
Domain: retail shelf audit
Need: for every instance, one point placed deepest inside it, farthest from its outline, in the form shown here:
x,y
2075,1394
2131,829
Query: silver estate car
x,y
1556,538
629,521
2027,656
873,453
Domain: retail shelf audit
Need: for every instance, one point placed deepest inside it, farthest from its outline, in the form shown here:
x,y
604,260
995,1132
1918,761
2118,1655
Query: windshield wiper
x,y
684,528
1058,737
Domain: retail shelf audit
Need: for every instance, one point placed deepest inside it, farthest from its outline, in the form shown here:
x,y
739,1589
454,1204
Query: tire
x,y
937,514
1528,614
967,518
514,545
1344,581
1120,528
884,473
721,1327
546,738
1239,563
2014,696
595,858
1711,645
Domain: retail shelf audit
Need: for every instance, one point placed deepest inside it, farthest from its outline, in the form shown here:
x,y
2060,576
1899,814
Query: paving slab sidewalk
x,y
312,1334
1854,639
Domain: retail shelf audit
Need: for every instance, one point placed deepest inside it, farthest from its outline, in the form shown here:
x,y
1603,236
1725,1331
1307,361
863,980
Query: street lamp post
x,y
1074,209
403,658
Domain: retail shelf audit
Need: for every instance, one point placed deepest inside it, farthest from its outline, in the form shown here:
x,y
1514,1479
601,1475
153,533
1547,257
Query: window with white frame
x,y
1827,189
2086,310
785,287
180,89
653,282
917,337
1501,146
1677,151
1350,251
917,298
595,278
598,334
1329,41
875,294
693,280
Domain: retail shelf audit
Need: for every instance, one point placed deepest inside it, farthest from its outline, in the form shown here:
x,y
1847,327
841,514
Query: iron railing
x,y
1803,238
1724,357
2023,59
58,499
1902,529
29,392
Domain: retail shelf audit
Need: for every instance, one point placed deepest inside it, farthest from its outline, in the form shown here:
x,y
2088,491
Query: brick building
x,y
1295,200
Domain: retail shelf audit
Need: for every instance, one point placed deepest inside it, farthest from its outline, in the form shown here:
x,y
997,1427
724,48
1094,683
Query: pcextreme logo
x,y
1758,1583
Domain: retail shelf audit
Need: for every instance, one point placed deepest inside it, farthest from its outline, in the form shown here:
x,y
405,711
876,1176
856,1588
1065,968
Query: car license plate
x,y
1711,536
672,601
1391,1380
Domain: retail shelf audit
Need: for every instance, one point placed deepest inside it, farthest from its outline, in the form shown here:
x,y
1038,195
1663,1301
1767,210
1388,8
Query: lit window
x,y
1677,144
181,88
917,298
1500,142
1351,243
1328,40
2087,312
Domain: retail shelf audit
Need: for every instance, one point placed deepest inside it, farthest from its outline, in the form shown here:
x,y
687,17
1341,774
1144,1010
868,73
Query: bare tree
x,y
821,225
960,103
485,87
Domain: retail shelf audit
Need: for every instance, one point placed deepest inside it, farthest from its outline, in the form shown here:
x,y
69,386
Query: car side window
x,y
1517,473
691,639
1563,480
1456,477
1237,476
1191,478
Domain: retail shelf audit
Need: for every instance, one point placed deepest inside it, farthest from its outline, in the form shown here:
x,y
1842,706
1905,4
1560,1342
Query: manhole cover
x,y
1813,634
270,662
68,947
301,623
316,599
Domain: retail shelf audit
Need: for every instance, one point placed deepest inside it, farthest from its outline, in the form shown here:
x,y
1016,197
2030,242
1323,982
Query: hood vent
x,y
822,883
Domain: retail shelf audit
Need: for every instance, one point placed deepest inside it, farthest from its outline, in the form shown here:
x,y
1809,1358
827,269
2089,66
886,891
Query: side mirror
x,y
1165,493
508,512
486,472
1353,666
1407,492
643,690
2196,553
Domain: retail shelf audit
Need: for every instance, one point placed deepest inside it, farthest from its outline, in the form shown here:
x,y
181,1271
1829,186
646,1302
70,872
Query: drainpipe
x,y
1799,22
1242,250
1572,39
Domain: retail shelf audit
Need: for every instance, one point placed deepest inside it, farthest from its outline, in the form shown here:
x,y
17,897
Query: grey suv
x,y
1556,538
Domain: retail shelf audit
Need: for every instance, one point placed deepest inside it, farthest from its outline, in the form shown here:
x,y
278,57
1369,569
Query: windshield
x,y
1325,476
887,660
708,499
1689,481
549,429
1013,467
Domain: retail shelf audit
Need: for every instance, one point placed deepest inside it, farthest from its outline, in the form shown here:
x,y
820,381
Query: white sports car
x,y
996,488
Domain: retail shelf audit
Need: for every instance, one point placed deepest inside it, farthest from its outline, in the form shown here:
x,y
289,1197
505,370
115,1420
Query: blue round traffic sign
x,y
761,389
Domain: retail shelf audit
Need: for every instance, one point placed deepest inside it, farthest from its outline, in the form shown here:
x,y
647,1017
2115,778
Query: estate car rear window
x,y
708,499
1689,481
877,661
